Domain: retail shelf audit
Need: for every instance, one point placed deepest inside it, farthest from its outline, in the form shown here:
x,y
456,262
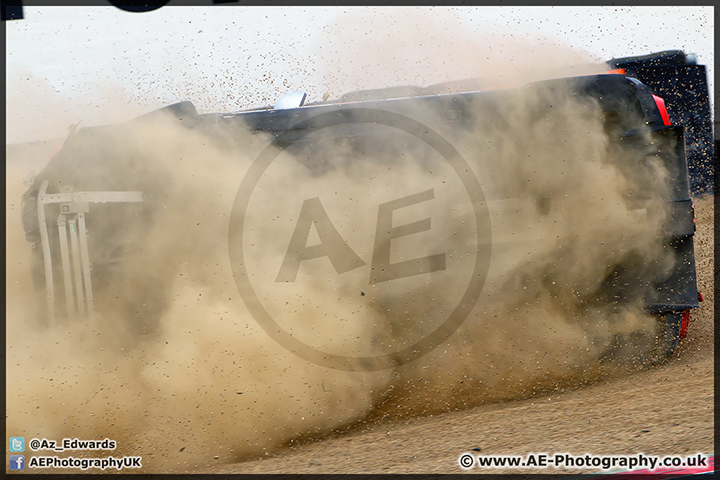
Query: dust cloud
x,y
427,47
176,369
569,210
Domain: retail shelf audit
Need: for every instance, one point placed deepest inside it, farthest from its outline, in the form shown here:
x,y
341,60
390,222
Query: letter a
x,y
332,244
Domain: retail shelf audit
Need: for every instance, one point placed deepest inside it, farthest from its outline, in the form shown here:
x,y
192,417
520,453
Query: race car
x,y
84,215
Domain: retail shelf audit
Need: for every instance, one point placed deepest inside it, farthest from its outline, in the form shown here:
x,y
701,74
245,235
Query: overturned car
x,y
87,213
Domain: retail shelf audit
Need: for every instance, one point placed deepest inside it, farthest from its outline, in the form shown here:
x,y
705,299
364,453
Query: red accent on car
x,y
663,110
56,152
617,71
684,323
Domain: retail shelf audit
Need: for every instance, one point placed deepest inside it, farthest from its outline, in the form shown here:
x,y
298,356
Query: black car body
x,y
633,117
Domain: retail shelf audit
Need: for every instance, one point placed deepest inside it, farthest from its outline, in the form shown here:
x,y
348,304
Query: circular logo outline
x,y
377,117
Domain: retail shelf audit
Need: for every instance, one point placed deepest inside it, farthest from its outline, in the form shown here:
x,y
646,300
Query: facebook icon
x,y
17,462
